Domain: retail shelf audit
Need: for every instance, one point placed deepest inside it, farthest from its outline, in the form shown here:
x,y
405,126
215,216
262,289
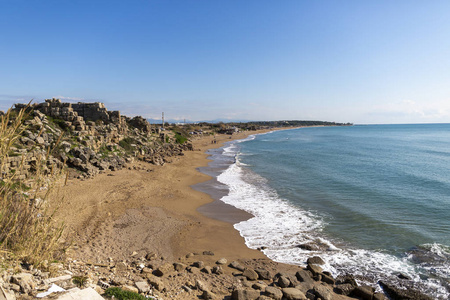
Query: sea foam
x,y
280,227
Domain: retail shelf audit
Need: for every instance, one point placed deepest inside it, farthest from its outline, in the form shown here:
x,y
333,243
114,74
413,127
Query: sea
x,y
370,200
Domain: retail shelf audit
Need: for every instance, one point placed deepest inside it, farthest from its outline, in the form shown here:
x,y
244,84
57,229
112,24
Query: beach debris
x,y
53,289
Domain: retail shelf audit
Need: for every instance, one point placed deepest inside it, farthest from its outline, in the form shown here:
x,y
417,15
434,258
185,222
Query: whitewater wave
x,y
285,232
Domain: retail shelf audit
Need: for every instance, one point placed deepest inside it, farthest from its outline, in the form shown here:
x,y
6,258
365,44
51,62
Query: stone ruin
x,y
87,138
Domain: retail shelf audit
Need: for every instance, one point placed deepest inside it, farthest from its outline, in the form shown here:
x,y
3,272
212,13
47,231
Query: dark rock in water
x,y
395,293
346,279
315,260
328,279
309,247
403,276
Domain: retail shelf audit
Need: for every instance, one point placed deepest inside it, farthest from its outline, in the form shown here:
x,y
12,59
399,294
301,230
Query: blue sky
x,y
344,61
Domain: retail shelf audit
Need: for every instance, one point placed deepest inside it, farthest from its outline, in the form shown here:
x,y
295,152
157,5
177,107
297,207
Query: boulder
x,y
179,267
245,294
315,269
142,286
284,282
363,292
293,294
164,270
155,282
396,293
264,274
222,261
315,260
236,265
323,292
250,274
273,293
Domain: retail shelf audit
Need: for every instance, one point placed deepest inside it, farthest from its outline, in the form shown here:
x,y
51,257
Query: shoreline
x,y
153,208
154,211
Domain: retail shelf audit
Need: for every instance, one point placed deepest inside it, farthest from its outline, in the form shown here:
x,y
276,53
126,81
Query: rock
x,y
164,270
344,289
264,274
85,294
284,282
59,278
245,294
304,276
308,247
194,270
155,282
403,276
396,293
259,286
121,267
315,269
217,270
293,294
379,296
250,274
179,267
208,295
222,261
315,260
151,256
198,264
207,270
328,279
201,285
130,288
142,286
323,292
6,295
273,293
208,253
189,255
262,297
25,281
236,265
363,292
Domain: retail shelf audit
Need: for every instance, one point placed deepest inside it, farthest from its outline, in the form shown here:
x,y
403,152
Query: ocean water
x,y
373,201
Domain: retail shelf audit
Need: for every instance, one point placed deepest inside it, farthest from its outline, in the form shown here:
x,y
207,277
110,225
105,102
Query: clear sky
x,y
345,61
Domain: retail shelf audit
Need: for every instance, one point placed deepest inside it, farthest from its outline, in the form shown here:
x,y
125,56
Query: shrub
x,y
120,294
27,229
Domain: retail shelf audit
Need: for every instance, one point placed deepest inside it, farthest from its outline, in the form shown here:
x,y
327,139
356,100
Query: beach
x,y
147,208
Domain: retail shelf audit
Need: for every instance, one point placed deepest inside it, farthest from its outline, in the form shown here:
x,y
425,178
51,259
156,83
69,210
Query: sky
x,y
363,62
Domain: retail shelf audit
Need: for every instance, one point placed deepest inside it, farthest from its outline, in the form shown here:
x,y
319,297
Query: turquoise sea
x,y
371,200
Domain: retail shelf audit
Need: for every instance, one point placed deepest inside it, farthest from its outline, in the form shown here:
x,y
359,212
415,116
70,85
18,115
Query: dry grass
x,y
27,230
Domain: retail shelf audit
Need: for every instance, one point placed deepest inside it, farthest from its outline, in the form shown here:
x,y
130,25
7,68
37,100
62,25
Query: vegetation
x,y
27,230
127,143
120,294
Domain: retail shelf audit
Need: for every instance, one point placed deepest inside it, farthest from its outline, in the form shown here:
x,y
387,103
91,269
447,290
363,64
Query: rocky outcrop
x,y
86,137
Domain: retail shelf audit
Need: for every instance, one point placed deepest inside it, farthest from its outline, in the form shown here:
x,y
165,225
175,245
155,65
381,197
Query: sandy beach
x,y
147,208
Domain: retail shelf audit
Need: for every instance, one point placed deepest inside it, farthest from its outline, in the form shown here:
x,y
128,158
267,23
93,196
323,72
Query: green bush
x,y
126,143
180,138
120,294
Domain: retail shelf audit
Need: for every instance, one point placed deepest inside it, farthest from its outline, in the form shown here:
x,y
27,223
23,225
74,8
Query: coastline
x,y
148,208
